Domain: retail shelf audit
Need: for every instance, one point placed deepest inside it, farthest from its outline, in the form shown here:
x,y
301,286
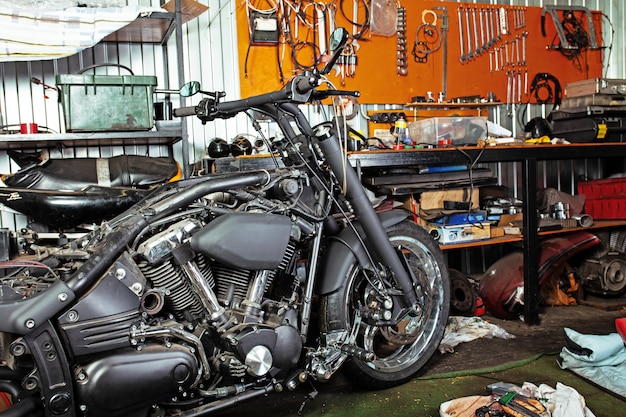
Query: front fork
x,y
376,235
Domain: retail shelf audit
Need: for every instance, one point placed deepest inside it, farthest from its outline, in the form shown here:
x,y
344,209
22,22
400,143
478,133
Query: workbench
x,y
528,156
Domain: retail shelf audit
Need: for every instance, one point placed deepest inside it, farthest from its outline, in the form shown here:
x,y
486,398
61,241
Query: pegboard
x,y
485,73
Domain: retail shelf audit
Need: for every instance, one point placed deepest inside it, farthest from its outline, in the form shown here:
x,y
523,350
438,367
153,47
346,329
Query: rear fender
x,y
346,248
503,282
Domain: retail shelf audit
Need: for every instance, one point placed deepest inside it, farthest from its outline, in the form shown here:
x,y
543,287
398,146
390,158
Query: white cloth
x,y
464,329
50,34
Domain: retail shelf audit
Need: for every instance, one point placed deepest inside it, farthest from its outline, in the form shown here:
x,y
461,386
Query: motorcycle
x,y
221,288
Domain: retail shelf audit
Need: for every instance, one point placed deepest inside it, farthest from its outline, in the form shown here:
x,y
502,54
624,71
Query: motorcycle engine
x,y
604,275
206,300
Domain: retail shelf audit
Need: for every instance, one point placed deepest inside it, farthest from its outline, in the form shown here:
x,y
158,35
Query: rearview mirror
x,y
190,89
338,40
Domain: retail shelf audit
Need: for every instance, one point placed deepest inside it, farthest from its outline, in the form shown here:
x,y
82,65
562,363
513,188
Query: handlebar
x,y
185,111
299,90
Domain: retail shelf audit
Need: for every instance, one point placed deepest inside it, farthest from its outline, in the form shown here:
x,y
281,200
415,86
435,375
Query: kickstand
x,y
310,396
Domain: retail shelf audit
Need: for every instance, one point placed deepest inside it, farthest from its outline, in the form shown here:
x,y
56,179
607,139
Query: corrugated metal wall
x,y
210,56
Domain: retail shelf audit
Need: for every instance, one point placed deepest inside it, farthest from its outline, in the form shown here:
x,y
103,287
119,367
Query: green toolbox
x,y
103,103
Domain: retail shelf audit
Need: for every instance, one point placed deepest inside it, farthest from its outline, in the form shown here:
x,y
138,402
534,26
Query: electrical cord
x,y
610,47
363,27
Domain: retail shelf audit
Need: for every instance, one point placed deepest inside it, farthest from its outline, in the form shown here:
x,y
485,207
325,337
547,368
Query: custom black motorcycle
x,y
220,288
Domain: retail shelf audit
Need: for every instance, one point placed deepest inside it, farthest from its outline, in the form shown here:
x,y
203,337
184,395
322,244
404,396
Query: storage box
x,y
460,130
590,124
100,103
435,199
460,233
604,198
595,86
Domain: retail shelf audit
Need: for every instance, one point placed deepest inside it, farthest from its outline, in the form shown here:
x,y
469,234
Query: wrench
x,y
508,92
470,54
524,36
495,54
496,16
483,34
517,55
490,28
506,52
463,57
478,48
513,85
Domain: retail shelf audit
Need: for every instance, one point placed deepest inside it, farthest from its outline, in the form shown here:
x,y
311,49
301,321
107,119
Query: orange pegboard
x,y
375,73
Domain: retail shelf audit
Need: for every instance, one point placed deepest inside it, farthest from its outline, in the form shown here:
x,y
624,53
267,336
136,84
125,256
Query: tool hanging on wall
x,y
570,31
45,86
401,68
546,88
263,30
428,37
442,13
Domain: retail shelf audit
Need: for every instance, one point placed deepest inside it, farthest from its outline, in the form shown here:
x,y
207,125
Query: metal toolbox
x,y
590,124
595,86
102,103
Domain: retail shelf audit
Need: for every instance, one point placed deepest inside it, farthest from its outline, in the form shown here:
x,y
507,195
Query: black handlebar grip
x,y
305,84
185,111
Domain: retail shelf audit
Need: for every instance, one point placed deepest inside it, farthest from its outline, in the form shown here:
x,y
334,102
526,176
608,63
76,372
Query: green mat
x,y
421,397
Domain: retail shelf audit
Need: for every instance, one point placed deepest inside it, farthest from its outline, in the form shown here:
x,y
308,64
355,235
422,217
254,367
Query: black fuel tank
x,y
245,240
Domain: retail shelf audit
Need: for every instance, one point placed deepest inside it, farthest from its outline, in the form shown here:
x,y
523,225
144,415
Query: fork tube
x,y
375,233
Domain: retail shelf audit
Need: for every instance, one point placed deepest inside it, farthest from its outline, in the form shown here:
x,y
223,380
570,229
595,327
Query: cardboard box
x,y
434,199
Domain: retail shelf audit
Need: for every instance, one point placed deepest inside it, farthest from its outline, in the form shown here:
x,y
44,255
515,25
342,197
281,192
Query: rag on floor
x,y
465,329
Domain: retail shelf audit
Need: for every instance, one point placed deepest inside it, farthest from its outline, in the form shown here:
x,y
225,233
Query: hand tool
x,y
463,57
483,34
470,52
478,49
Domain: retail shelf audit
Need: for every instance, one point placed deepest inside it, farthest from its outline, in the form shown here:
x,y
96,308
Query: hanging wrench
x,y
478,50
470,53
508,92
524,36
483,34
495,54
496,16
490,28
463,57
505,53
513,83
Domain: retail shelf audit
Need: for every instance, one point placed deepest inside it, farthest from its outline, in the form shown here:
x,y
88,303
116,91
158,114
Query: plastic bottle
x,y
401,132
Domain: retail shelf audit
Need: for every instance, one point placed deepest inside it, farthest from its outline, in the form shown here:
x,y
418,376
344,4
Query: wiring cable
x,y
610,47
362,27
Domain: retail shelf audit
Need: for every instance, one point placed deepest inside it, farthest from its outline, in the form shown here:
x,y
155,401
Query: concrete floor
x,y
423,395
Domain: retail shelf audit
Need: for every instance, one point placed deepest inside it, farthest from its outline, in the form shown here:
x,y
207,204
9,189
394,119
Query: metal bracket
x,y
552,11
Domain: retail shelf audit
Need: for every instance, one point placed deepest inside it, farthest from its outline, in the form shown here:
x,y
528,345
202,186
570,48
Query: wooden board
x,y
375,73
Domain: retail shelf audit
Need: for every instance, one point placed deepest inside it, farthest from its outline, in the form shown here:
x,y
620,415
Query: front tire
x,y
399,353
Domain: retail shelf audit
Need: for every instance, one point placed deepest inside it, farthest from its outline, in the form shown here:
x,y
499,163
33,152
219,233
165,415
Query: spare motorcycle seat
x,y
79,173
64,210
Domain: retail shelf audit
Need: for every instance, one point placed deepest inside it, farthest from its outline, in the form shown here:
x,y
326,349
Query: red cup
x,y
28,128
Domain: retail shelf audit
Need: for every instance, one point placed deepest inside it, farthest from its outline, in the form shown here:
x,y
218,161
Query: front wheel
x,y
399,351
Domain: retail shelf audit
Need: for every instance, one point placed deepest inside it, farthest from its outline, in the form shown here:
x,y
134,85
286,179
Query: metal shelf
x,y
47,140
153,28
